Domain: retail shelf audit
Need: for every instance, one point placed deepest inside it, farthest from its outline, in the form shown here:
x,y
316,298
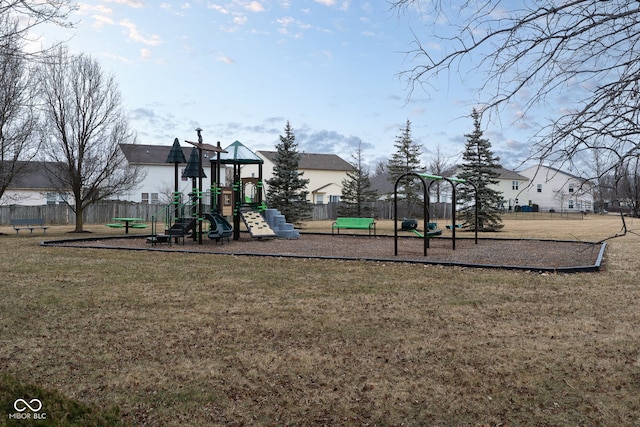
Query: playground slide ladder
x,y
256,224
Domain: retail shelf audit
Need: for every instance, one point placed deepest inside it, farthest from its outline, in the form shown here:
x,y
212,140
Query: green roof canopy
x,y
239,153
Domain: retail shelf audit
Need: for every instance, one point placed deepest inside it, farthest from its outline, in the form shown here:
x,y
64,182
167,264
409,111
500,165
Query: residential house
x,y
556,190
325,173
512,185
33,186
158,184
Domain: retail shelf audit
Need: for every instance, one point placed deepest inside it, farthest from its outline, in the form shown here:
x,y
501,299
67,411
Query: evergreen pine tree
x,y
479,166
357,194
287,188
406,159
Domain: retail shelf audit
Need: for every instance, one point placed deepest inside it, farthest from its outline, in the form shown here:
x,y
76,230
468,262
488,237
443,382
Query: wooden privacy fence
x,y
102,213
94,214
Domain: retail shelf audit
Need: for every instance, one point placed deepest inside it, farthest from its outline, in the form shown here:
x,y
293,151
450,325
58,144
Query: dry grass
x,y
190,339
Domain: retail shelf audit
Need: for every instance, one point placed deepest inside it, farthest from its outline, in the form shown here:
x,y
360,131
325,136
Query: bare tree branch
x,y
536,52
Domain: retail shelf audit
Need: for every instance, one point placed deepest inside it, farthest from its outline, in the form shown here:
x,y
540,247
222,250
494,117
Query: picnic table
x,y
127,223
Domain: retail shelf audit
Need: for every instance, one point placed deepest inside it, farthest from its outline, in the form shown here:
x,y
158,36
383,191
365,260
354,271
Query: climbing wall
x,y
256,225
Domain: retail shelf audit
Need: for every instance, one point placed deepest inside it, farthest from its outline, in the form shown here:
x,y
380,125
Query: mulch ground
x,y
505,253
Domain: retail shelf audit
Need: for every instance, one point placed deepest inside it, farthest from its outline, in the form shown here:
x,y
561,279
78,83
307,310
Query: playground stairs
x,y
182,227
279,224
256,224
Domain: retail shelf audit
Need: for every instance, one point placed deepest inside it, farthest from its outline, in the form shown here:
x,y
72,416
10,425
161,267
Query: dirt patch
x,y
525,253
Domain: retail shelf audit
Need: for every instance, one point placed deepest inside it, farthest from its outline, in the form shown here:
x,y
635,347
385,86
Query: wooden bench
x,y
28,224
354,224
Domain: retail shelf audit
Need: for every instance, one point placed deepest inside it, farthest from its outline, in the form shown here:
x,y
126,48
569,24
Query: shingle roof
x,y
153,154
314,161
509,174
33,176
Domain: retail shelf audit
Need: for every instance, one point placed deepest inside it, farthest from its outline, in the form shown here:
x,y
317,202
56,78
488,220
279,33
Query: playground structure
x,y
243,199
429,227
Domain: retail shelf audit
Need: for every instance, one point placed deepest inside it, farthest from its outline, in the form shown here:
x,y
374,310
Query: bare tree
x,y
84,126
28,14
536,51
629,185
17,115
440,165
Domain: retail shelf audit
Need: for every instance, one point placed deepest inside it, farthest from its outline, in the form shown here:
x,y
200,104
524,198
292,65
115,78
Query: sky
x,y
240,69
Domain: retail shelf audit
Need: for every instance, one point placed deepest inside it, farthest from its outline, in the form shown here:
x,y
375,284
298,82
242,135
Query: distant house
x,y
553,189
325,173
511,184
158,185
33,186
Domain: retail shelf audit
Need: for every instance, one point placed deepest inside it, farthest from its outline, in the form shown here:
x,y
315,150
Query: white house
x,y
511,184
551,188
158,184
324,171
33,186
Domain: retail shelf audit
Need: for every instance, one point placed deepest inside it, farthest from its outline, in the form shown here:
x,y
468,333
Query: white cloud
x,y
117,57
285,21
100,21
326,2
218,8
240,19
145,54
86,9
136,4
254,6
225,59
137,36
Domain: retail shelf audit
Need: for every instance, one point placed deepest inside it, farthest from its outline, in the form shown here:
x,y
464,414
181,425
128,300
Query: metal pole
x,y
200,207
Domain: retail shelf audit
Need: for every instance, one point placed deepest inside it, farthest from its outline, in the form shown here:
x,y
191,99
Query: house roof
x,y
33,176
535,169
509,174
153,154
314,161
503,173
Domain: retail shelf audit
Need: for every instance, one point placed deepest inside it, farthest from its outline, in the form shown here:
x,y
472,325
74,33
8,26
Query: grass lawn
x,y
166,339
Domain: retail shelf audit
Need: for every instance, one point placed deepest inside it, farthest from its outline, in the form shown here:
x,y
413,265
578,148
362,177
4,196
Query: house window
x,y
144,199
155,199
514,185
570,203
570,188
539,188
319,199
334,199
55,198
